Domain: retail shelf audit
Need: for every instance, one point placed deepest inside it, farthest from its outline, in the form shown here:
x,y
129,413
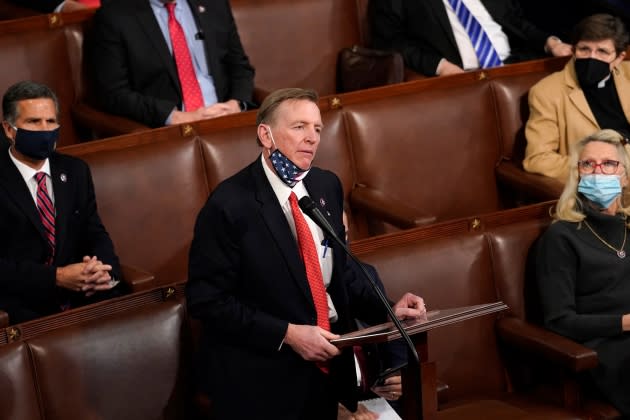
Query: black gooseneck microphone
x,y
310,209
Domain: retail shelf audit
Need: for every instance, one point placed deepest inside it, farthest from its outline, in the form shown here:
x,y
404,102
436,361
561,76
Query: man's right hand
x,y
311,342
87,276
446,68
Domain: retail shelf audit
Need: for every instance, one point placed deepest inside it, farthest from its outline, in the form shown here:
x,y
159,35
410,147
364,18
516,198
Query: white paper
x,y
382,408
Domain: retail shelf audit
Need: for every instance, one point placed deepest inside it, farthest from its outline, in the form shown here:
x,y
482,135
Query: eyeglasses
x,y
607,167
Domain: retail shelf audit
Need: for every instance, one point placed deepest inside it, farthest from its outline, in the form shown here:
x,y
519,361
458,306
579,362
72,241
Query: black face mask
x,y
591,71
36,145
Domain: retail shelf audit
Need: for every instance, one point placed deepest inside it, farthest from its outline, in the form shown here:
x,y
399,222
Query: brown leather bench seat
x,y
407,155
131,365
130,358
287,45
483,360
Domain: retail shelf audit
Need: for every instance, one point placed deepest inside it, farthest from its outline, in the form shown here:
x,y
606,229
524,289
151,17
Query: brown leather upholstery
x,y
513,111
457,264
549,358
129,364
126,366
418,267
301,40
18,397
148,197
129,357
401,163
407,147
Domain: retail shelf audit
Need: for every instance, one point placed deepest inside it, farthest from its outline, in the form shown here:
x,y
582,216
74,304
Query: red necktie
x,y
46,210
311,262
193,99
91,3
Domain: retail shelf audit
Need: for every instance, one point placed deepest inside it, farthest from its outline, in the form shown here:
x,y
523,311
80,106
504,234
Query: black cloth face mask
x,y
591,71
36,145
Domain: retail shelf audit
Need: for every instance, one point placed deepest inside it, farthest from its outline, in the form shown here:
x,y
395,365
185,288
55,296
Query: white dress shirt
x,y
28,174
282,192
497,37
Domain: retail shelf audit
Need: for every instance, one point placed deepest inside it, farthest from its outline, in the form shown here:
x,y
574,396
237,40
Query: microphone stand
x,y
308,206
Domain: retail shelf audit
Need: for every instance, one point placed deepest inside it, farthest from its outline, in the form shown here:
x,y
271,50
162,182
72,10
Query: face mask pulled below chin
x,y
591,71
37,145
286,170
600,188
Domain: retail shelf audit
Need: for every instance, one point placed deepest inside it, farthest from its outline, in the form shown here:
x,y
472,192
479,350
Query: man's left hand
x,y
410,306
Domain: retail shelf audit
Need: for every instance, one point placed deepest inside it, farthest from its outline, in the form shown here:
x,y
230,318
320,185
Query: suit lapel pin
x,y
63,177
201,9
322,202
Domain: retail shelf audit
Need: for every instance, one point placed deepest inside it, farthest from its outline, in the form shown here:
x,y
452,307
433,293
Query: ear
x,y
9,132
618,60
264,137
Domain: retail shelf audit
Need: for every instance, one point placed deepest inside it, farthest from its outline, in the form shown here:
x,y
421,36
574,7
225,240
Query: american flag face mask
x,y
288,171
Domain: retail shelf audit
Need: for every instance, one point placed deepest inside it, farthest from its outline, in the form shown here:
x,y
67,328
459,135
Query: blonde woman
x,y
583,262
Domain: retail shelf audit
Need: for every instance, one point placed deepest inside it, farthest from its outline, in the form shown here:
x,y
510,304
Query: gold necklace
x,y
621,253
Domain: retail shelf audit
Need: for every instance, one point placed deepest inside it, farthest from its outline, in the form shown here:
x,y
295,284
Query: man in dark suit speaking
x,y
163,62
54,251
442,37
268,287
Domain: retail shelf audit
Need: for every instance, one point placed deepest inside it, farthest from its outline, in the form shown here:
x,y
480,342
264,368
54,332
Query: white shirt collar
x,y
280,189
26,171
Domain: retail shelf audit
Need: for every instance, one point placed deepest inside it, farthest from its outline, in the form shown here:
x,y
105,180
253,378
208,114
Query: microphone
x,y
311,210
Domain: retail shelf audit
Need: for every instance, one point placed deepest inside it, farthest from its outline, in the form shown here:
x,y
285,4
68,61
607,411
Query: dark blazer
x,y
134,72
27,285
421,31
44,6
247,282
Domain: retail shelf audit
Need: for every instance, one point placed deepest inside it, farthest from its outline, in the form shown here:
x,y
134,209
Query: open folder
x,y
433,319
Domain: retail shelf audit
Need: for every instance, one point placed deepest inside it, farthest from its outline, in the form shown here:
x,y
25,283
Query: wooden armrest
x,y
539,187
137,279
387,208
103,124
4,319
547,344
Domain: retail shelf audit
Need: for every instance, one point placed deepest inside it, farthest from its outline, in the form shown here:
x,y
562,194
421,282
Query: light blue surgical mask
x,y
286,170
600,188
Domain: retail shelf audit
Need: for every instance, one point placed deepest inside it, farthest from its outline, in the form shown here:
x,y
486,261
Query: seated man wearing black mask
x,y
55,253
592,92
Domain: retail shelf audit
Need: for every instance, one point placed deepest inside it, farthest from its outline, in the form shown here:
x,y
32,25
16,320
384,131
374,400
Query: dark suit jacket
x,y
421,31
27,285
44,6
247,282
135,74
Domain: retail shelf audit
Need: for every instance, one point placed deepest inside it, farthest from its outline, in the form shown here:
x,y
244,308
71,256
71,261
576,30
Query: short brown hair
x,y
267,110
600,27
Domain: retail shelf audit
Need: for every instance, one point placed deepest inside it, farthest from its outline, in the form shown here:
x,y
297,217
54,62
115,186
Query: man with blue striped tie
x,y
442,37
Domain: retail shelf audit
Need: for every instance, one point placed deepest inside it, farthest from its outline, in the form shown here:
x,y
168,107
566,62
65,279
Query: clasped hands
x,y
89,276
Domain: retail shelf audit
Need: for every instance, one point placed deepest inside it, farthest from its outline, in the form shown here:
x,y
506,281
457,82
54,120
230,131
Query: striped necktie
x,y
487,55
46,210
